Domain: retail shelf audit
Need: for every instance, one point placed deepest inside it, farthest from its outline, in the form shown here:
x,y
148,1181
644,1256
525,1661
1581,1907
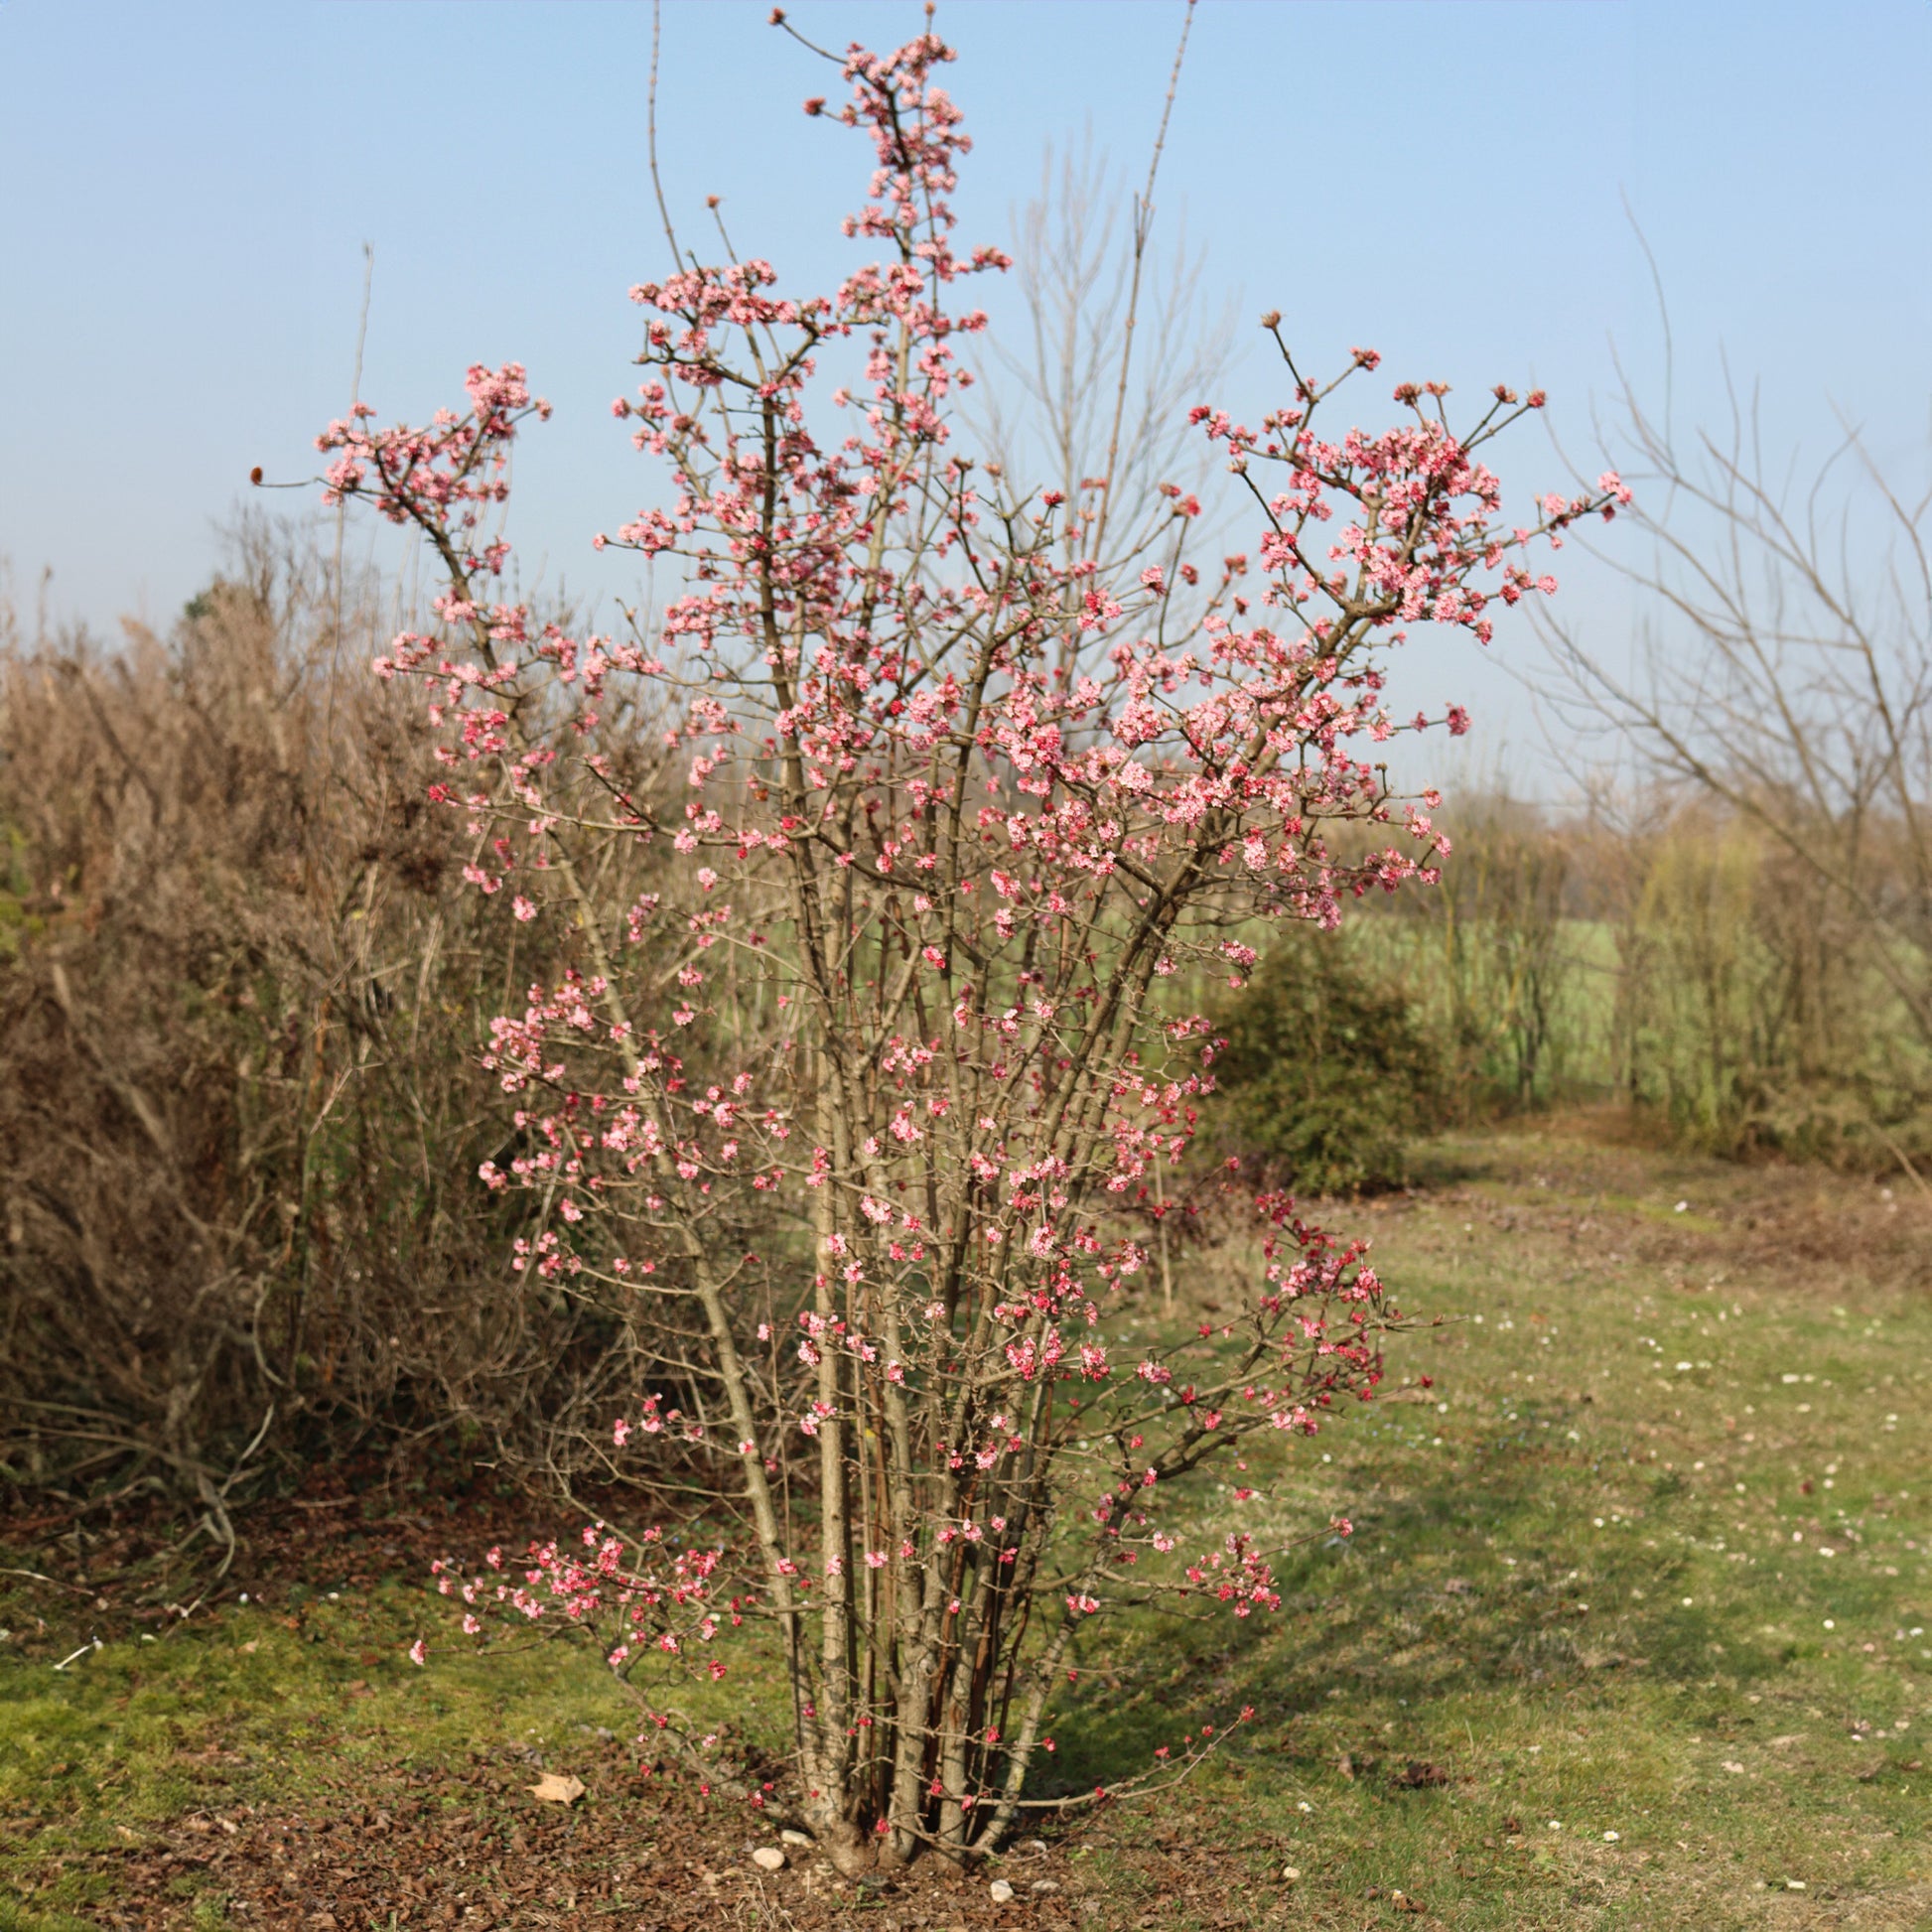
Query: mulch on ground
x,y
468,1845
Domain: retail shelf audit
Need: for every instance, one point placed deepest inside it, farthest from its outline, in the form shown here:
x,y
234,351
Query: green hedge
x,y
1329,1069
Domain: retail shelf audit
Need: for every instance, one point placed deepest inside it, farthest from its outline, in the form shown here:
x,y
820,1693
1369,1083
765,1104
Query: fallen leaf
x,y
555,1791
251,1646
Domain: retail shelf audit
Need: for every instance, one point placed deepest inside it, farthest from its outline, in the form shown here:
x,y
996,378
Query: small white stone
x,y
1002,1891
1291,1874
767,1858
1045,1884
795,1838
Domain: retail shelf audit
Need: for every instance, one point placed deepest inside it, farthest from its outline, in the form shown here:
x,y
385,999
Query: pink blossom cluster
x,y
635,1598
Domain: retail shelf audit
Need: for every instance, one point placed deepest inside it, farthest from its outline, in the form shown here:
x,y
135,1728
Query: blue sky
x,y
187,189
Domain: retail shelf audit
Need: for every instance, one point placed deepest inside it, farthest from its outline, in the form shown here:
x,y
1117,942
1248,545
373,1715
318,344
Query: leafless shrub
x,y
1783,669
242,1105
1664,948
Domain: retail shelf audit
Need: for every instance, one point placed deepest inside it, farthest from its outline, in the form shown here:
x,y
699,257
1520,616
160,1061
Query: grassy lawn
x,y
1633,1633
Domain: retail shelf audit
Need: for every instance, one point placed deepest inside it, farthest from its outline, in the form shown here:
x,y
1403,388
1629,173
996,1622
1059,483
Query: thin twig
x,y
1142,227
36,1576
650,131
1904,1160
341,508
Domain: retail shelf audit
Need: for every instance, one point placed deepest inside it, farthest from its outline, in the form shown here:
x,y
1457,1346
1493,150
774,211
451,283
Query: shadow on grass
x,y
1461,1591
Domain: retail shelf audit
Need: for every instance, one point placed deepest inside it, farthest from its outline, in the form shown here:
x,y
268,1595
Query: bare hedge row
x,y
242,999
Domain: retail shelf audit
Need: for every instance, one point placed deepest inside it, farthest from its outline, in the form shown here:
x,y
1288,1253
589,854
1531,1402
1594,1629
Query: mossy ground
x,y
1584,1662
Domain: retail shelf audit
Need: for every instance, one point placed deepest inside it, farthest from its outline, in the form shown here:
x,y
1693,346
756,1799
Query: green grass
x,y
1587,1578
243,1707
1586,1585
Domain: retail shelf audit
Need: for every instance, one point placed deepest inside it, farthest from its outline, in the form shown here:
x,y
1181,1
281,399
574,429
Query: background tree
x,y
1784,670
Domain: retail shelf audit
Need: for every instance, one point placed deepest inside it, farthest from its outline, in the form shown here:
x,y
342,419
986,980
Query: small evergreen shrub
x,y
1329,1070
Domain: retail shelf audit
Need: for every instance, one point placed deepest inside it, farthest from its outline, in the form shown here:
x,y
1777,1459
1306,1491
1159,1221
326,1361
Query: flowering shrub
x,y
955,806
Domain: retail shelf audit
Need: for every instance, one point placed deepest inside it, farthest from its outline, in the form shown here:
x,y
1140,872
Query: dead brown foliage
x,y
244,999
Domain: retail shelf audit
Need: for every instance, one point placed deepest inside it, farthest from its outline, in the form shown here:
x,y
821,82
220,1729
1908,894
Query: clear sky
x,y
185,192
